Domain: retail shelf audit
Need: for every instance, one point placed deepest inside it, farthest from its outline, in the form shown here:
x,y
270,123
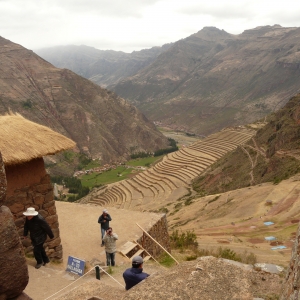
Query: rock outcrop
x,y
291,288
3,183
206,278
13,271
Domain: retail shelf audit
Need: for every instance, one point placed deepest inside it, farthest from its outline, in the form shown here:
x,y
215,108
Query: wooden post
x,y
157,243
147,252
97,272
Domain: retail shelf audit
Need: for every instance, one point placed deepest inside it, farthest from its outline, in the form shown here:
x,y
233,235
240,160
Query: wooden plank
x,y
139,252
127,247
147,257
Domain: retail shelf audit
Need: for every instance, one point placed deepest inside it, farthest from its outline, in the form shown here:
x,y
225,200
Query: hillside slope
x,y
102,124
213,79
104,67
271,155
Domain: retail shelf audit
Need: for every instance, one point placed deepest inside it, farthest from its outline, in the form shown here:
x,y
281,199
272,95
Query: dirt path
x,y
80,234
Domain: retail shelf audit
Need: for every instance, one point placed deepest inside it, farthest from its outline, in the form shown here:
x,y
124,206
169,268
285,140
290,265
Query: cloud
x,y
135,24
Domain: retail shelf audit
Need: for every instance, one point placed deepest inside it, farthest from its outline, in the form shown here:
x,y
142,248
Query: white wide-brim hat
x,y
30,212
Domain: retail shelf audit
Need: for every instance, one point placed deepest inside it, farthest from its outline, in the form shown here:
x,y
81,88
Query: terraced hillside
x,y
169,179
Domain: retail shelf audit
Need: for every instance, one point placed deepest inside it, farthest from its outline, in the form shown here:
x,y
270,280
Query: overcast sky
x,y
133,24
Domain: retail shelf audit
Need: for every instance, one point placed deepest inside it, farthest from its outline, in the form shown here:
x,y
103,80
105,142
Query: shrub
x,y
228,254
140,155
246,258
173,147
163,210
27,104
183,240
188,201
74,185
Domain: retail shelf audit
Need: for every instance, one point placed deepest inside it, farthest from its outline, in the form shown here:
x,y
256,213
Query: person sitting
x,y
134,275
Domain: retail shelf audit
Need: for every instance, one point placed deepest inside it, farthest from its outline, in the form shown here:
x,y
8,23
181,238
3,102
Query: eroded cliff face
x,y
291,287
102,124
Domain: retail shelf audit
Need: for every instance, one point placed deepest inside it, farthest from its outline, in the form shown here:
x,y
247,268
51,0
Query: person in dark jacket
x,y
39,229
104,221
134,275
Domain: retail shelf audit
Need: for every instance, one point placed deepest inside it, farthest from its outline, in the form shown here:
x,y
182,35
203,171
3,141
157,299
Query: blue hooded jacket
x,y
133,276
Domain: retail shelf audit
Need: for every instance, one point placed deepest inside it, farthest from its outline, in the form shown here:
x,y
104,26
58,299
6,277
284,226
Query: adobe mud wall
x,y
28,185
159,231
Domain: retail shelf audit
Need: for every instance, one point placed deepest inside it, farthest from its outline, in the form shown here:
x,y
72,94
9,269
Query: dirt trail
x,y
80,234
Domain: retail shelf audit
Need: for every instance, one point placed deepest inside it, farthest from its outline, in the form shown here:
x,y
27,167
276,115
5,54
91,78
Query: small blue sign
x,y
270,238
268,223
75,265
278,247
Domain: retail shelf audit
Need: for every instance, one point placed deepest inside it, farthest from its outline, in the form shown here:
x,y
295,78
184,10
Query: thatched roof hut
x,y
22,140
23,144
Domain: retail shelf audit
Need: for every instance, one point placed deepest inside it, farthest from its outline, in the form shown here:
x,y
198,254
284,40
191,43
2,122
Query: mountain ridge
x,y
213,79
272,155
87,61
102,124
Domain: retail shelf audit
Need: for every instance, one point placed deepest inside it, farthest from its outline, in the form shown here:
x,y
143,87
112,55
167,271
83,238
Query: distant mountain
x,y
102,124
103,67
273,155
207,81
213,79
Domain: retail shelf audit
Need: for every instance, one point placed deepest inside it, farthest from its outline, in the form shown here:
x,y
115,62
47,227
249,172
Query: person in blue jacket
x,y
134,275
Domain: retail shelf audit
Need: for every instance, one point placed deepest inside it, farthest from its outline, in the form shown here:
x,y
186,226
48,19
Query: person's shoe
x,y
38,266
44,263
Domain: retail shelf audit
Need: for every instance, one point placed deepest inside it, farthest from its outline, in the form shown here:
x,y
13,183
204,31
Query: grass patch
x,y
187,241
143,162
92,164
163,210
166,260
113,175
227,253
188,201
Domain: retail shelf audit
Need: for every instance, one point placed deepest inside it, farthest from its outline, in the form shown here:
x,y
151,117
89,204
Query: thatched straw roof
x,y
22,140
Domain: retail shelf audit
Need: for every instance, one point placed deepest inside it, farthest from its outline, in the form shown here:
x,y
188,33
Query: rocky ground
x,y
206,278
80,235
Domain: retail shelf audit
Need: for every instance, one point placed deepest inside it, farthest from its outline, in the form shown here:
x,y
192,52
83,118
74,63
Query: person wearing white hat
x,y
103,220
39,229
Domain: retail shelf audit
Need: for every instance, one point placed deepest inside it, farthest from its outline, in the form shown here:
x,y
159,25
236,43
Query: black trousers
x,y
40,254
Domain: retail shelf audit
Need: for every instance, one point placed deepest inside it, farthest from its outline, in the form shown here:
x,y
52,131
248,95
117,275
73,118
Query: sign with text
x,y
75,265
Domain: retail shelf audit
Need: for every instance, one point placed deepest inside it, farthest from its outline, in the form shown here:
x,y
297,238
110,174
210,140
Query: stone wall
x,y
159,231
13,272
28,185
291,287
